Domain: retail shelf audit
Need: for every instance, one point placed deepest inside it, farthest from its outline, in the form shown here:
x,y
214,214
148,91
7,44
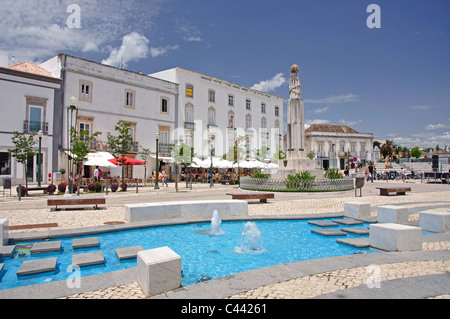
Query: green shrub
x,y
333,174
299,181
258,174
98,187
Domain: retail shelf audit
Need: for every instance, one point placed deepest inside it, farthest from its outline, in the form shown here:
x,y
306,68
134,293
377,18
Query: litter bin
x,y
359,183
6,185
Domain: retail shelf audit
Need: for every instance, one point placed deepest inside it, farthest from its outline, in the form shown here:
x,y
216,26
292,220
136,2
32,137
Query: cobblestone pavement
x,y
314,285
33,210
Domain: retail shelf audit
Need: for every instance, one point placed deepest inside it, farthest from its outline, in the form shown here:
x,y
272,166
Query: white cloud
x,y
37,30
435,126
270,85
421,107
334,99
134,47
350,123
193,39
322,110
154,52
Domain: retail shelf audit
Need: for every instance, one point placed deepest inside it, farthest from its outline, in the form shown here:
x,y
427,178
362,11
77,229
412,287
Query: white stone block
x,y
434,221
395,237
4,228
392,214
189,209
357,210
158,270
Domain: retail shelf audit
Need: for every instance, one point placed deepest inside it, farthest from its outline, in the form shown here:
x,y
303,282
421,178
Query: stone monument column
x,y
296,159
295,119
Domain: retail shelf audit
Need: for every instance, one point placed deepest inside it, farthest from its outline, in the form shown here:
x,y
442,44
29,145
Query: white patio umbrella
x,y
99,159
223,164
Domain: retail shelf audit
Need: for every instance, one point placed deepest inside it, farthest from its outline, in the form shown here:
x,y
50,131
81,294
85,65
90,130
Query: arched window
x,y
211,116
230,119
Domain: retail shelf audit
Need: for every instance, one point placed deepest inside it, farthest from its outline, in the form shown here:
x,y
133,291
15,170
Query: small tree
x,y
121,144
81,146
181,154
145,156
415,152
24,149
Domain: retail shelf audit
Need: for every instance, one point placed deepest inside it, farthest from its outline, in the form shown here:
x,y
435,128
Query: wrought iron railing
x,y
319,185
33,127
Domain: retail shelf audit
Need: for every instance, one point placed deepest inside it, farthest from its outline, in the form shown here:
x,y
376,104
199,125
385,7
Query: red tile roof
x,y
29,67
330,128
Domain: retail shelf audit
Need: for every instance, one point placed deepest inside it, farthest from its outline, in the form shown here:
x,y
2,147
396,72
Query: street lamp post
x,y
40,133
211,168
157,163
71,109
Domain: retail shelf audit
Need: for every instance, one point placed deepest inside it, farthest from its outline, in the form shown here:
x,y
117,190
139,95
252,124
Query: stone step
x,y
322,223
356,230
128,252
347,221
355,242
89,242
37,266
88,259
329,232
46,247
6,251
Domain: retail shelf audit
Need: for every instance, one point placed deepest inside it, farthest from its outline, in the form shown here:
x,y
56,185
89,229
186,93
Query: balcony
x,y
189,126
164,148
231,130
33,127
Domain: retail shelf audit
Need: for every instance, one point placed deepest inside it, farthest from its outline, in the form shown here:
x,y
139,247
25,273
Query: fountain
x,y
215,224
251,242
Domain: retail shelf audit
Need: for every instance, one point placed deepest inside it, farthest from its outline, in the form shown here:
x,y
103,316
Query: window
x,y
211,116
263,123
230,100
189,90
85,127
277,111
130,98
35,119
189,114
248,104
248,122
85,90
263,108
211,96
5,163
164,106
231,120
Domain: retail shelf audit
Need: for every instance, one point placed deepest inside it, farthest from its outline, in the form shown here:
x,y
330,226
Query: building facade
x,y
105,95
334,145
215,114
27,96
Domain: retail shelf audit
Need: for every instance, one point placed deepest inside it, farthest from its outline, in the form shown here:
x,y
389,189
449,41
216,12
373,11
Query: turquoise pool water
x,y
203,256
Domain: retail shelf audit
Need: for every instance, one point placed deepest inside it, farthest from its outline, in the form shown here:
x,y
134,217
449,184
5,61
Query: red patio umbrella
x,y
126,161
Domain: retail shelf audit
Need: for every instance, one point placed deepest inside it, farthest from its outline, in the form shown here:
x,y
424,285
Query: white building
x,y
107,94
216,112
333,145
27,95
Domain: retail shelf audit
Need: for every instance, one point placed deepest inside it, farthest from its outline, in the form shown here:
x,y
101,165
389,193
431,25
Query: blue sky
x,y
392,81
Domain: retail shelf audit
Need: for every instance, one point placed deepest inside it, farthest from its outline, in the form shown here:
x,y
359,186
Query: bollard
x,y
20,192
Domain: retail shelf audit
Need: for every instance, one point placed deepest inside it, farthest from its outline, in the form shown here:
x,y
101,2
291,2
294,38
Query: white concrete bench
x,y
166,210
392,214
434,221
358,210
4,228
158,270
395,237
